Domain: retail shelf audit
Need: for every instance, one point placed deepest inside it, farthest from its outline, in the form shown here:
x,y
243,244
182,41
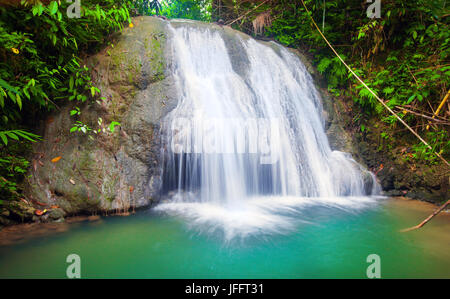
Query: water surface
x,y
328,242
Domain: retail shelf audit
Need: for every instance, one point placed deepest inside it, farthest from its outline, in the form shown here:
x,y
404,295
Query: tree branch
x,y
428,219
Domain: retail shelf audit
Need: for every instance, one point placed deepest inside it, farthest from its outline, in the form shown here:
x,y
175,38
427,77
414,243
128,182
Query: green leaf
x,y
12,96
5,85
27,135
410,99
392,58
71,83
25,91
388,90
323,64
12,135
3,137
112,126
53,7
40,9
73,129
35,10
19,101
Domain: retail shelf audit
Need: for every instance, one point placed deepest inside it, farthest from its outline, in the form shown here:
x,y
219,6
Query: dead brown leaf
x,y
56,159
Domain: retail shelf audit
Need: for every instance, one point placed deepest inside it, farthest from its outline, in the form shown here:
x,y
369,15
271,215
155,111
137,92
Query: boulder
x,y
114,170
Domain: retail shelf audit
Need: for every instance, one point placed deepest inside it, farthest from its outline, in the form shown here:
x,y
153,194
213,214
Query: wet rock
x,y
4,221
387,178
395,193
20,211
56,214
398,173
368,182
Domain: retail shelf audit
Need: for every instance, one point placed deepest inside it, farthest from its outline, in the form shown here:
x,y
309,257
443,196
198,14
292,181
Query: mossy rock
x,y
114,171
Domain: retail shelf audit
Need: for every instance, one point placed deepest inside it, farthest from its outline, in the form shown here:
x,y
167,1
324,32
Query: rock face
x,y
400,176
112,171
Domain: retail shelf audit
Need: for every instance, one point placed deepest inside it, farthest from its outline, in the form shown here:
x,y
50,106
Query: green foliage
x,y
174,9
41,68
13,169
75,111
146,7
440,143
113,125
17,135
81,127
402,57
187,9
40,47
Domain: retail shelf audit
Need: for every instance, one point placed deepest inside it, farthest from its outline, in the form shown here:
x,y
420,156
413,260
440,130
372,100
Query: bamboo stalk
x,y
440,106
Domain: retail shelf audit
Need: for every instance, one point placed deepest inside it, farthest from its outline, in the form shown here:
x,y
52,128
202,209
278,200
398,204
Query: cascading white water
x,y
246,142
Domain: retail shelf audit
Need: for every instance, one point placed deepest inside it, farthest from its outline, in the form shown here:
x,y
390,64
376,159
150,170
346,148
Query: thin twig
x,y
417,83
440,121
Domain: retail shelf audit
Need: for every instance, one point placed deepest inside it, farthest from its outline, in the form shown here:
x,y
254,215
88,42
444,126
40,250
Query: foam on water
x,y
259,216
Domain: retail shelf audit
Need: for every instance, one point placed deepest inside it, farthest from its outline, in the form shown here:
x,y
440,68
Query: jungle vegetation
x,y
403,56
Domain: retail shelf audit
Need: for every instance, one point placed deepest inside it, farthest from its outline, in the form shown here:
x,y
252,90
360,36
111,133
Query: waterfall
x,y
248,128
